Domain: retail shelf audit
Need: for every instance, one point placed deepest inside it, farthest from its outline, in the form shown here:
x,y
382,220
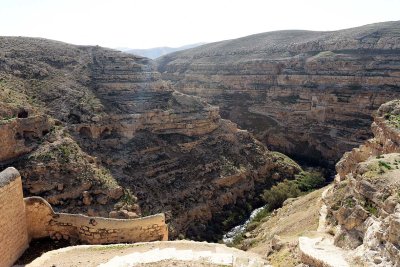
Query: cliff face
x,y
308,94
355,221
363,205
98,132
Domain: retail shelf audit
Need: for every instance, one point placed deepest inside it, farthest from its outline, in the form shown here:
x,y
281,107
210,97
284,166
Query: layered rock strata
x,y
121,142
308,94
364,202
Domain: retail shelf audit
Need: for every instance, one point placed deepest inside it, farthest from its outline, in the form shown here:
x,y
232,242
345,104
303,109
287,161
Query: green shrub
x,y
370,207
385,164
304,182
308,181
261,215
237,240
275,196
349,202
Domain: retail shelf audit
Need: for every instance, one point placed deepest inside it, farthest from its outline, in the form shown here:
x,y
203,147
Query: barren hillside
x,y
96,131
308,94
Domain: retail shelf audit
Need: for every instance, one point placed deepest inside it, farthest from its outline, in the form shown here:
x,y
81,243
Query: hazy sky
x,y
151,23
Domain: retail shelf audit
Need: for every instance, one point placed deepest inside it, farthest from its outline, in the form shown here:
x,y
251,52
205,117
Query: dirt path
x,y
167,253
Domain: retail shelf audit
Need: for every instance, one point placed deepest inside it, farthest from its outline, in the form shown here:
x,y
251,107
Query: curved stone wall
x,y
43,221
22,220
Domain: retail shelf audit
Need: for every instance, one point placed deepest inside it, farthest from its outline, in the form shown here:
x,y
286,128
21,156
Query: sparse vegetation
x,y
385,164
275,196
65,152
393,120
304,182
286,159
228,167
7,119
237,240
128,198
349,202
261,215
370,207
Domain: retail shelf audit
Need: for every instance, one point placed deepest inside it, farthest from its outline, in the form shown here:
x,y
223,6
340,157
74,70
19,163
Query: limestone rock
x,y
304,93
276,243
102,199
87,198
124,135
364,202
116,193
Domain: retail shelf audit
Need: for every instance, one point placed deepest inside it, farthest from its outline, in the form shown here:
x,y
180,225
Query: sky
x,y
153,23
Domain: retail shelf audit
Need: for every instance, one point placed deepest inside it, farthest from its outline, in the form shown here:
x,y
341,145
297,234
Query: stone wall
x,y
22,220
43,221
13,230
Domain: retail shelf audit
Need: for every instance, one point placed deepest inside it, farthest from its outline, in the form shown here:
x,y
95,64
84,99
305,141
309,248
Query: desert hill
x,y
308,94
96,131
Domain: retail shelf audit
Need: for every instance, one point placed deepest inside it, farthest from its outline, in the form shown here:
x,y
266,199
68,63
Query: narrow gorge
x,y
96,131
307,94
110,147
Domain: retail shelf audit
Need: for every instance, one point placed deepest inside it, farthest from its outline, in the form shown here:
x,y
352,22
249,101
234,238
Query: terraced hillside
x,y
308,94
96,131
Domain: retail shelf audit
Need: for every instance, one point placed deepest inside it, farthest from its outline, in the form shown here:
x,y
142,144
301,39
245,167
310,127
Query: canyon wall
x,y
355,221
122,143
363,204
13,227
386,140
307,94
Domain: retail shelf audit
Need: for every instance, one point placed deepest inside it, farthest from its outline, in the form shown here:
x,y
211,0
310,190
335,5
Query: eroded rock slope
x,y
364,202
97,131
355,221
308,94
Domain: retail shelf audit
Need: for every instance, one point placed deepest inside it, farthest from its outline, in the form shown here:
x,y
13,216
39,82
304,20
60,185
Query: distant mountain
x,y
157,51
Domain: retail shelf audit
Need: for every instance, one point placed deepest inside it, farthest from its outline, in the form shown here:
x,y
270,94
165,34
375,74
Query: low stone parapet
x,y
43,221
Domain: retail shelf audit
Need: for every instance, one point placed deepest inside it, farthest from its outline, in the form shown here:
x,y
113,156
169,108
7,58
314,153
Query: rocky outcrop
x,y
352,222
364,202
19,136
123,143
386,139
308,94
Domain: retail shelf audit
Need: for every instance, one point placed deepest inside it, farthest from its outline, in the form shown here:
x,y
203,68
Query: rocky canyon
x,y
202,135
308,94
96,131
